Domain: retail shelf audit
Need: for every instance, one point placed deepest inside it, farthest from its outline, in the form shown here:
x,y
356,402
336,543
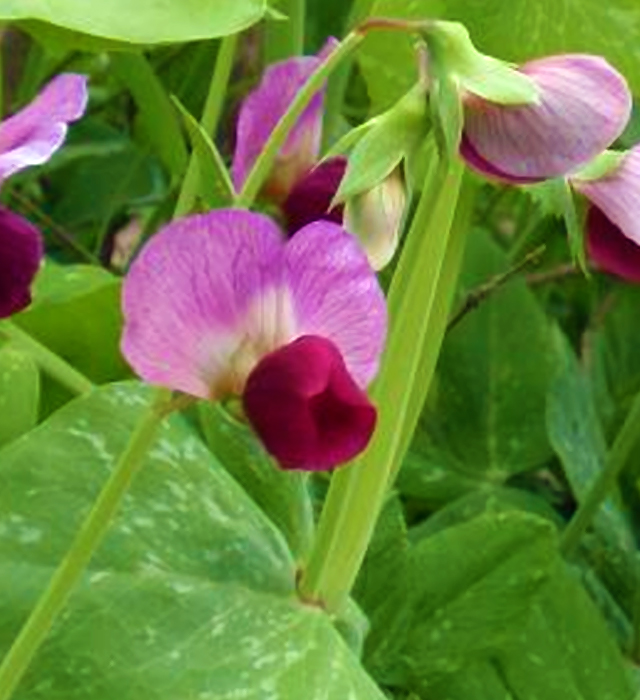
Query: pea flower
x,y
303,187
30,137
583,106
222,304
613,217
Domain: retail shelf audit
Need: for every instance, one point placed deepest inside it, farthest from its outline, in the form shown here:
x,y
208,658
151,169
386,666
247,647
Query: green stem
x,y
285,38
625,441
85,544
418,303
267,157
209,121
47,360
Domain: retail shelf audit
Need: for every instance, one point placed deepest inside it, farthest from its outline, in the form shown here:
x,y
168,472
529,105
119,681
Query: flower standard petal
x,y
336,295
198,298
21,252
584,106
31,136
306,407
262,110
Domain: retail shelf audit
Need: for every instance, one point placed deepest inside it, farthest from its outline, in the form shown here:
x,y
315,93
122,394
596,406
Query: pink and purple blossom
x,y
613,219
30,137
222,304
584,105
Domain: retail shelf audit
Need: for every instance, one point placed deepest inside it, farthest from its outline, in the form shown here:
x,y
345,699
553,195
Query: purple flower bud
x,y
311,197
305,406
21,251
584,104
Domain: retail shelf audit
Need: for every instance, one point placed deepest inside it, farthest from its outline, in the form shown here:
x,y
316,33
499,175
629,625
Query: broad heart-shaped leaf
x,y
513,31
485,420
19,393
76,313
283,495
153,21
190,596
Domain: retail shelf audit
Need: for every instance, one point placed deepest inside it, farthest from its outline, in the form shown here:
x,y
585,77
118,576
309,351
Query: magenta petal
x,y
261,111
336,295
617,194
21,252
584,106
610,249
195,302
32,135
306,408
311,197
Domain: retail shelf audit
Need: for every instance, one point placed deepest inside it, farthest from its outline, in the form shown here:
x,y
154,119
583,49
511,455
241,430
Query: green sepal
x,y
447,111
601,166
485,76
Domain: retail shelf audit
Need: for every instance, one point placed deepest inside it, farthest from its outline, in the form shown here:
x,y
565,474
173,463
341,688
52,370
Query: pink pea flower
x,y
262,110
222,304
613,218
584,104
30,137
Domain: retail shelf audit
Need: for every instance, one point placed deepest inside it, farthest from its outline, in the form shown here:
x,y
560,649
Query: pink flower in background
x,y
221,304
584,105
27,138
262,110
613,219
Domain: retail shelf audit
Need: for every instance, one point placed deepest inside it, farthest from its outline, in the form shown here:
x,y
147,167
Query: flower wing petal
x,y
189,293
610,249
32,135
584,106
336,295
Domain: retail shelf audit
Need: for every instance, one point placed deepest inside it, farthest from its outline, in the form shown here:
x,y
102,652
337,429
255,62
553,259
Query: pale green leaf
x,y
19,393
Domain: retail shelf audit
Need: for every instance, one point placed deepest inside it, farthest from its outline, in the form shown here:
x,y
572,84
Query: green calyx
x,y
451,48
601,166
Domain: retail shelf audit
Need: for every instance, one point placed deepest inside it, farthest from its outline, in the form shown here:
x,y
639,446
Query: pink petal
x,y
336,295
610,249
32,135
261,111
21,252
311,197
584,106
306,408
617,194
193,297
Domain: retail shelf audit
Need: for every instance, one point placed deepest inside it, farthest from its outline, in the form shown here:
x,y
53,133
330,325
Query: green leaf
x,y
19,393
152,22
487,417
76,313
216,188
190,596
516,31
282,495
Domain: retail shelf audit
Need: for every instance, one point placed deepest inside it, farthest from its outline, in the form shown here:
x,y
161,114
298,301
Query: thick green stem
x,y
626,439
267,157
209,121
419,302
85,544
47,360
284,38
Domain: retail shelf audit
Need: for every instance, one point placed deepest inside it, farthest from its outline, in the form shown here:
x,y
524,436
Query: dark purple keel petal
x,y
610,249
306,408
21,252
584,104
311,197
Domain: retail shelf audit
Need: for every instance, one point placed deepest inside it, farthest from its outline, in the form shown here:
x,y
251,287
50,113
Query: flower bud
x,y
376,216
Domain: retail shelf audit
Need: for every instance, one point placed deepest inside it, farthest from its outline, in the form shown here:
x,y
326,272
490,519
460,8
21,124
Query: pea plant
x,y
318,350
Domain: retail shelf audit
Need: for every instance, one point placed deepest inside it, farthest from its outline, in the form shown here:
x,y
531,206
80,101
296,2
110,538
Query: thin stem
x,y
285,38
47,360
85,544
625,441
357,493
209,121
265,160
